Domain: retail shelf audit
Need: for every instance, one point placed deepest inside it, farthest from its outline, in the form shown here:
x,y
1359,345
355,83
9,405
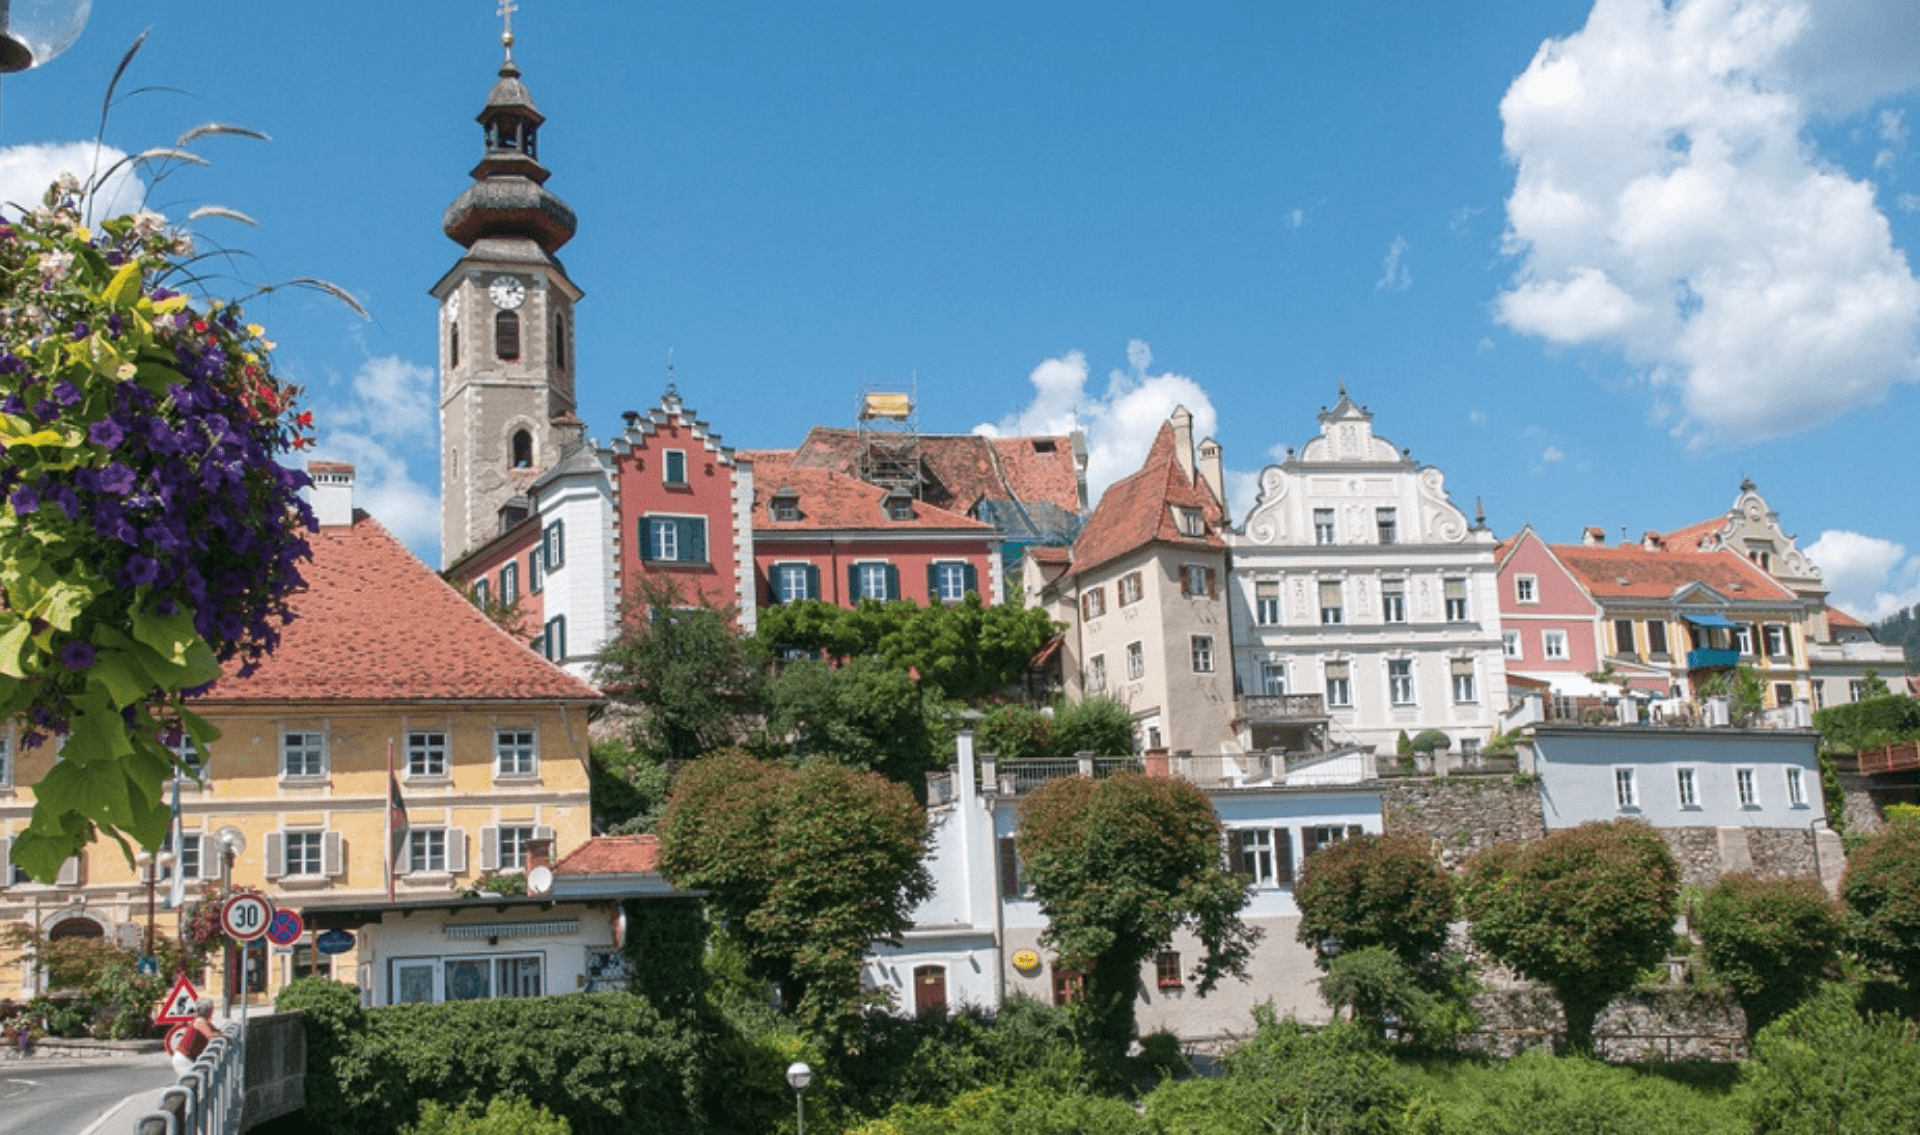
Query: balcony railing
x,y
1708,658
1281,707
1892,758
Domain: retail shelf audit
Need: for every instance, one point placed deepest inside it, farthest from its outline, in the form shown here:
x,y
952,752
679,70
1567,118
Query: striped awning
x,y
555,928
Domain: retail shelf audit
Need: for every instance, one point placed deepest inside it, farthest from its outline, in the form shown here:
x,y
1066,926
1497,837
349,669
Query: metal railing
x,y
1890,758
1281,707
211,1097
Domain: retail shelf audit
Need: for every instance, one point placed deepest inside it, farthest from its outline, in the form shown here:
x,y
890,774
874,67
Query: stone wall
x,y
1463,814
1706,854
1657,1024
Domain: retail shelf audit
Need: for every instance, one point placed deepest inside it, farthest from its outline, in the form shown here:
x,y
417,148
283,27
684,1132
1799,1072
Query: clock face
x,y
507,292
453,307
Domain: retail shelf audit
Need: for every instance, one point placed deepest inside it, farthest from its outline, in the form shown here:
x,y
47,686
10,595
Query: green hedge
x,y
1869,724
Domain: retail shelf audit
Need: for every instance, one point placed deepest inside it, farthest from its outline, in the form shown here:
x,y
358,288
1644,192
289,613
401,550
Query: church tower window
x,y
506,335
453,344
559,341
522,449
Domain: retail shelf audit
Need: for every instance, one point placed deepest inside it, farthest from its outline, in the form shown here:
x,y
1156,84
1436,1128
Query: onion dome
x,y
508,197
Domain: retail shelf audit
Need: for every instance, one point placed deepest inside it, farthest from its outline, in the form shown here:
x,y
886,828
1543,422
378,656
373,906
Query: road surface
x,y
67,1099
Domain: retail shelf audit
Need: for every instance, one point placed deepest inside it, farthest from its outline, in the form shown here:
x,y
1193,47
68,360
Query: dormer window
x,y
786,507
899,507
1191,522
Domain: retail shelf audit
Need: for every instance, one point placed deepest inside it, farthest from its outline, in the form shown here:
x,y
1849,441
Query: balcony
x,y
1891,758
1280,707
1708,658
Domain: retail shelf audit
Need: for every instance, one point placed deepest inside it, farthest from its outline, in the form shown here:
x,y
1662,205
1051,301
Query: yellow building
x,y
383,662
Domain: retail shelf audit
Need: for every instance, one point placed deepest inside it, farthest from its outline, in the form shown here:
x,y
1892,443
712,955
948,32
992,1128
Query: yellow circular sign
x,y
1026,960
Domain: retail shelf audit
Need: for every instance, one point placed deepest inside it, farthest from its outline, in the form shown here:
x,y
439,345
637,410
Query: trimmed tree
x,y
1770,940
1118,865
1882,892
808,867
1582,912
1376,890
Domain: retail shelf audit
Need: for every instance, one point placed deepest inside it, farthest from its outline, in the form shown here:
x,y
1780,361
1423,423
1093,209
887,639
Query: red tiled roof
x,y
833,501
1049,555
1838,618
1634,573
1137,511
376,624
964,469
612,855
1688,539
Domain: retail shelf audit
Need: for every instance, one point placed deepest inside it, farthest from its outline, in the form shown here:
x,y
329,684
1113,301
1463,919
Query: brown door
x,y
930,989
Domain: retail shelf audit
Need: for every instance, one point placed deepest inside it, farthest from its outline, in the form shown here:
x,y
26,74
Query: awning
x,y
1708,619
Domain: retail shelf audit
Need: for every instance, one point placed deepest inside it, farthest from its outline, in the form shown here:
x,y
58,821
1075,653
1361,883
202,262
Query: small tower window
x,y
522,450
453,344
506,335
559,341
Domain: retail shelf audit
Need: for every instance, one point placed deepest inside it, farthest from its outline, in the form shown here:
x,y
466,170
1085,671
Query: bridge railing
x,y
211,1097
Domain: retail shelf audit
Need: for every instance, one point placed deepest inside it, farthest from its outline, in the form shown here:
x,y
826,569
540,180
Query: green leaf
x,y
40,854
122,676
124,290
171,635
98,730
63,603
13,641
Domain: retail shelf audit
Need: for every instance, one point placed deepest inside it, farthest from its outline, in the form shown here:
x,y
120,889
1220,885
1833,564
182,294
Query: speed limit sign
x,y
246,916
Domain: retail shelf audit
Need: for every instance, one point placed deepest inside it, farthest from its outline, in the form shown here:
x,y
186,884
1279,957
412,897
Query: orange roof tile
x,y
964,469
834,501
1138,510
1838,618
1634,573
376,624
612,855
1688,539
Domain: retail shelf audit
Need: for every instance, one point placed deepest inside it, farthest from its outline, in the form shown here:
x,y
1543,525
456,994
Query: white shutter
x,y
6,863
209,856
489,849
456,851
546,833
276,855
333,859
69,875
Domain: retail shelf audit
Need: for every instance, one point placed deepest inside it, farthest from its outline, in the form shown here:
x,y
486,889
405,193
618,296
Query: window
x,y
453,345
786,508
1266,603
1273,678
427,753
427,850
1743,779
1856,689
304,853
1553,644
6,762
186,857
553,639
1069,986
515,752
1386,523
1166,969
513,840
1196,580
1093,604
1013,883
303,754
675,539
794,582
522,449
1796,790
1097,673
1136,662
1456,594
1656,638
1190,521
1323,526
1743,638
1202,654
1689,794
535,580
305,961
482,592
1782,694
1263,855
1330,611
431,980
1526,589
1339,687
1779,647
1393,600
554,544
949,582
1315,838
899,506
1510,643
506,336
188,752
1623,637
1400,681
1819,693
878,580
674,468
1624,793
1462,671
559,341
1130,589
510,584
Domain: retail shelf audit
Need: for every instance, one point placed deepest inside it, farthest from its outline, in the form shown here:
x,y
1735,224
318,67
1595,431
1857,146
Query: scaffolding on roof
x,y
888,426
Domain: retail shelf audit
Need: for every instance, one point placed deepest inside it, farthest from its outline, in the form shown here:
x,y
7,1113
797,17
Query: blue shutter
x,y
693,533
853,584
647,549
933,584
973,579
893,582
813,581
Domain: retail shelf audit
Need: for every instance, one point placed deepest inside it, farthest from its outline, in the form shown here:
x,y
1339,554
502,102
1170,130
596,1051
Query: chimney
x,y
539,853
1594,536
1078,439
1212,471
332,496
1182,420
1651,541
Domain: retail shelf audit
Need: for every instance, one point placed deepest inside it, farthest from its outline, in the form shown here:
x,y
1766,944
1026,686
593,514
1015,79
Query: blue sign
x,y
334,941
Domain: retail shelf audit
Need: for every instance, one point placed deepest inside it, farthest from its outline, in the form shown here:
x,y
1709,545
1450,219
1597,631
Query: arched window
x,y
559,341
453,345
506,335
522,449
77,927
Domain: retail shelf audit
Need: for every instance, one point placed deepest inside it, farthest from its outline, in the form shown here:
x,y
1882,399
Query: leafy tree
x,y
1288,1078
629,788
865,714
1582,911
1016,732
1098,724
1403,746
1376,890
1118,865
1823,1068
806,866
689,670
1770,940
1429,1007
1744,689
1431,739
503,1115
1882,891
967,650
1869,722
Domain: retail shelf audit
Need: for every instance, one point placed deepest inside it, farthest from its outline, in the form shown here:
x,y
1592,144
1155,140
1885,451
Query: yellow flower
x,y
255,330
125,372
80,233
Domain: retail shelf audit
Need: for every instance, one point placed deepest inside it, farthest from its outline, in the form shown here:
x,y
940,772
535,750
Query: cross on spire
x,y
505,12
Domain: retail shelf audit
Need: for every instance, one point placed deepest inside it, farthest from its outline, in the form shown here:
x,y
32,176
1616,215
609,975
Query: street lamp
x,y
34,31
232,842
799,1076
151,866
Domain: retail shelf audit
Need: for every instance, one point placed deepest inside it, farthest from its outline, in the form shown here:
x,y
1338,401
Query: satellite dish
x,y
232,840
539,880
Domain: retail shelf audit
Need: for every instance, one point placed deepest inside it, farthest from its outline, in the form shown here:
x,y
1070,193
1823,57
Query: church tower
x,y
506,325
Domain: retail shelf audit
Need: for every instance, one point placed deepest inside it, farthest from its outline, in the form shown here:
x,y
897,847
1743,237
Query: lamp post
x,y
231,843
799,1076
34,31
151,865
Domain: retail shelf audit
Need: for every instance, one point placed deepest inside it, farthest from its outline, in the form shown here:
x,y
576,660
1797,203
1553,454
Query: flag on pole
x,y
177,886
396,821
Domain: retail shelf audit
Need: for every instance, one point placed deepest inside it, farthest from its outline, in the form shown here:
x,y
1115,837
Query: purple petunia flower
x,y
77,655
46,411
116,479
11,364
66,393
81,331
106,434
141,570
13,404
25,500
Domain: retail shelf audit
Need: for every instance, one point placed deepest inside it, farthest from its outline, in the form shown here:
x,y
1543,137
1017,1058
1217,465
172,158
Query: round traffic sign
x,y
285,927
245,916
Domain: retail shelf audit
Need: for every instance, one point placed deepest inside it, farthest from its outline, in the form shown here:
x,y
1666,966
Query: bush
x,y
934,1058
1431,1009
1287,1078
1027,1109
1822,1068
1882,892
1015,732
1869,723
505,1115
1431,739
1537,1093
1099,725
1369,890
1770,940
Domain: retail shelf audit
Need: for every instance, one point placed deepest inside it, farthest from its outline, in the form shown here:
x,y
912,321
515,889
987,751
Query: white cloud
x,y
1893,126
1295,218
1394,275
1476,417
1120,423
1552,454
26,172
1910,202
385,425
1866,576
1669,206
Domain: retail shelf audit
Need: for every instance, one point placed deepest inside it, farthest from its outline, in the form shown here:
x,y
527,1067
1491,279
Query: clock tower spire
x,y
506,322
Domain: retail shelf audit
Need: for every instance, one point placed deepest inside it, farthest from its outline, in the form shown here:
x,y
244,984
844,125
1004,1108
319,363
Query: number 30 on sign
x,y
246,916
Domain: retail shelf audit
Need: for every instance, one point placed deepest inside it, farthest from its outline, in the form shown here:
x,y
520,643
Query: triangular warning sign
x,y
177,1009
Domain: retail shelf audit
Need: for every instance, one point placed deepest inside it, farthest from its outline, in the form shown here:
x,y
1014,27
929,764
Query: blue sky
x,y
1597,261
